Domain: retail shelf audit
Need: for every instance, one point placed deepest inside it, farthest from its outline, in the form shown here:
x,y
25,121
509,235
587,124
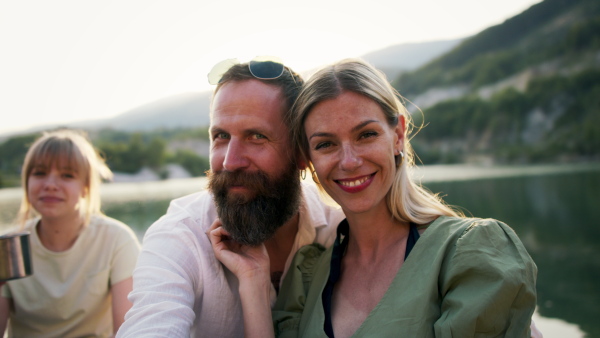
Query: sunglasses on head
x,y
261,67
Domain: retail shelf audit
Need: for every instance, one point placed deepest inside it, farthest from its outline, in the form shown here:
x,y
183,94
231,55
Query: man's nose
x,y
350,158
236,157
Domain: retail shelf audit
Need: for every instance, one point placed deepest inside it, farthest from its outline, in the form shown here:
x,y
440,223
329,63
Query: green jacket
x,y
465,277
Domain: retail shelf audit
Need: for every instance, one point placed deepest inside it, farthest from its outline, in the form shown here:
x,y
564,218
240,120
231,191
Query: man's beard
x,y
253,219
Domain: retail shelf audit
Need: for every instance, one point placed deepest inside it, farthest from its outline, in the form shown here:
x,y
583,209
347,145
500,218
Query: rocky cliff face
x,y
523,91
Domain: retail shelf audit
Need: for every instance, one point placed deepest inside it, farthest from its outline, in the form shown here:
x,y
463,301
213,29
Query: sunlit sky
x,y
70,60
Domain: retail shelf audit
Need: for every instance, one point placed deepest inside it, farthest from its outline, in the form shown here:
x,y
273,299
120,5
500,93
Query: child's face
x,y
54,192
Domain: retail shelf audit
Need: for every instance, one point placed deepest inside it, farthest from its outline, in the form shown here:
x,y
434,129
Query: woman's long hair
x,y
407,200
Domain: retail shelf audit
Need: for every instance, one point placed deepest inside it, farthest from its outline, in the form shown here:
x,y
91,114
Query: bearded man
x,y
180,289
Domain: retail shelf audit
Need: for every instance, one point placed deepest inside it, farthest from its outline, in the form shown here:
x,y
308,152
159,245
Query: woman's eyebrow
x,y
320,134
354,129
363,124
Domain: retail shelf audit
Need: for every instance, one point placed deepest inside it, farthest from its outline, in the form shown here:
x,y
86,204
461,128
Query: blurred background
x,y
507,95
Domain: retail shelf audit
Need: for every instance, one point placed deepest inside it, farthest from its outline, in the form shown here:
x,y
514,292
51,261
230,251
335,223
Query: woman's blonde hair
x,y
66,148
407,200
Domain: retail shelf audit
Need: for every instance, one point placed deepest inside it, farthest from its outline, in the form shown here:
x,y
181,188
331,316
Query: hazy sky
x,y
69,60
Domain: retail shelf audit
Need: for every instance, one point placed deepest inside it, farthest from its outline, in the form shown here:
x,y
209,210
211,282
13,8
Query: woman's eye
x,y
368,134
38,173
322,145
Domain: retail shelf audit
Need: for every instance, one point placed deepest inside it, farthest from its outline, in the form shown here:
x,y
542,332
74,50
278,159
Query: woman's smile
x,y
357,184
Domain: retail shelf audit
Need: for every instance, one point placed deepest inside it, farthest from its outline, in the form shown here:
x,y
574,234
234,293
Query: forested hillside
x,y
124,152
524,91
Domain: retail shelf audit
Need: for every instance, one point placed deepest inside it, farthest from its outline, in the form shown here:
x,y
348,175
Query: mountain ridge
x,y
191,109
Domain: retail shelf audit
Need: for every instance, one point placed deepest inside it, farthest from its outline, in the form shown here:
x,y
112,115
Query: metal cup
x,y
15,256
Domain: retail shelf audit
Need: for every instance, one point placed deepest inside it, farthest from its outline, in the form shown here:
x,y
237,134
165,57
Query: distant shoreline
x,y
466,172
172,188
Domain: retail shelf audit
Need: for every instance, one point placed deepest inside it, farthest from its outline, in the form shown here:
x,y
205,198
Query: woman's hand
x,y
246,262
250,264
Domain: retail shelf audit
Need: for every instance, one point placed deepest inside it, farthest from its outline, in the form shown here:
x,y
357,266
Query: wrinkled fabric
x,y
180,289
465,277
68,294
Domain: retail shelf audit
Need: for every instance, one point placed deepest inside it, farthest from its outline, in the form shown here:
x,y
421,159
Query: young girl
x,y
82,260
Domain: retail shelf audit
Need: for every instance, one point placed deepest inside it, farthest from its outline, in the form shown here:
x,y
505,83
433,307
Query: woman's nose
x,y
350,159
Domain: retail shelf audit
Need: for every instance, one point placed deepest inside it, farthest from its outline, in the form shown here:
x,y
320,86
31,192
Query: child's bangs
x,y
59,153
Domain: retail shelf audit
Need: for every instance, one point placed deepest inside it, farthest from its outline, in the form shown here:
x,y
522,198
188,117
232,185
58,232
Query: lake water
x,y
558,219
554,210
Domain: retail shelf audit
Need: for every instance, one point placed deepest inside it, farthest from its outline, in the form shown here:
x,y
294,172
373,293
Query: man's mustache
x,y
257,182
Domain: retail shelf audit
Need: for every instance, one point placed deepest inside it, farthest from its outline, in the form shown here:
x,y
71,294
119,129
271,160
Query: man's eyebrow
x,y
254,131
356,128
216,130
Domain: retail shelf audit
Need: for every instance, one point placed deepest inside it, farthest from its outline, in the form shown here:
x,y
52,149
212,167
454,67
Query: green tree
x,y
155,153
12,155
196,165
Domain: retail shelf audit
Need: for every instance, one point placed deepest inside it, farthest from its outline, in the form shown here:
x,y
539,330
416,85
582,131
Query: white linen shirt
x,y
180,289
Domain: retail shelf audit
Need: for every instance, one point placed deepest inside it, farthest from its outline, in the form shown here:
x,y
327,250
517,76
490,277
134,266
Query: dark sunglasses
x,y
261,67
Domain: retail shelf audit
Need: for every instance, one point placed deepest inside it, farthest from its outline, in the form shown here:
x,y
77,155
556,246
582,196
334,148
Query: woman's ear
x,y
400,131
301,163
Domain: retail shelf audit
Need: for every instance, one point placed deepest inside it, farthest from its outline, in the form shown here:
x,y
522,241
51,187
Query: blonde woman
x,y
82,260
403,263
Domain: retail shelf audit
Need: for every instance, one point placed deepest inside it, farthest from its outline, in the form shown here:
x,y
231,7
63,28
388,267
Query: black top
x,y
339,247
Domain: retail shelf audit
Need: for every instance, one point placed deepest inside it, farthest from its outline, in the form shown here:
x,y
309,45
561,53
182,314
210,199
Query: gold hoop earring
x,y
314,177
399,158
303,174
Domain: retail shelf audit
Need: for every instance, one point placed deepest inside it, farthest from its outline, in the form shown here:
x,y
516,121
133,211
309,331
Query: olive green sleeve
x,y
294,289
487,284
5,291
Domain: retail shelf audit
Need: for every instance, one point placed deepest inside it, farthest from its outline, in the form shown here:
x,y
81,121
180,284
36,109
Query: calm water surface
x,y
557,218
555,215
